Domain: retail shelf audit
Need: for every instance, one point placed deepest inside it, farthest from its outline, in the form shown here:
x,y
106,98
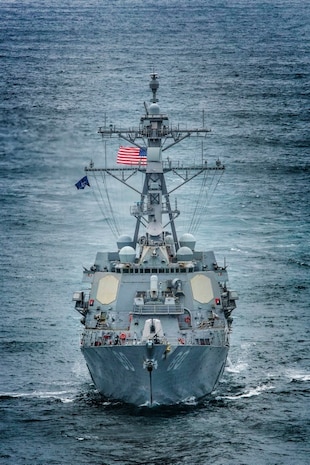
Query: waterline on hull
x,y
188,373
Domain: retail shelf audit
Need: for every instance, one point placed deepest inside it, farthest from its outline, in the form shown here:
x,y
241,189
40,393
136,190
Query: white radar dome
x,y
123,240
188,240
127,254
154,109
184,254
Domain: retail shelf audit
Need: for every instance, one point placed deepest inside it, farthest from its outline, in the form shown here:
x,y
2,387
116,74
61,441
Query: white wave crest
x,y
250,393
63,396
298,375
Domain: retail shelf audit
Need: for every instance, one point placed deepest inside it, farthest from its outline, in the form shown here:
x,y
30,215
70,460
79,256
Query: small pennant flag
x,y
132,156
82,183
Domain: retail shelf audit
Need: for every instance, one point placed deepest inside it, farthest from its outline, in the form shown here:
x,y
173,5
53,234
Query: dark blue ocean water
x,y
68,65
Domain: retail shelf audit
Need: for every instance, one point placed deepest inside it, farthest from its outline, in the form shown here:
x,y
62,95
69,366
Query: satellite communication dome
x,y
169,240
123,240
188,240
127,254
154,109
184,254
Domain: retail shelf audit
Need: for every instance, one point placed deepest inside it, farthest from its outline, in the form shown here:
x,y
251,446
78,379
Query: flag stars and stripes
x,y
132,156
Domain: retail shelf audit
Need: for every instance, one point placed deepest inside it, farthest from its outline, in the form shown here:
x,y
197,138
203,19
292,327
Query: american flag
x,y
131,156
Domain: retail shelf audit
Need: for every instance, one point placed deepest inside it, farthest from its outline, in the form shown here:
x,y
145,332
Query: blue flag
x,y
82,183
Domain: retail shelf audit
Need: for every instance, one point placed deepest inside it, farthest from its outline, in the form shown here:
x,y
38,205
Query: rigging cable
x,y
199,203
209,198
205,197
114,220
107,213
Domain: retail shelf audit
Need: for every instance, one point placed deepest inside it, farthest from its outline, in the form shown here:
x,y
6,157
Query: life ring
x,y
187,320
181,340
122,336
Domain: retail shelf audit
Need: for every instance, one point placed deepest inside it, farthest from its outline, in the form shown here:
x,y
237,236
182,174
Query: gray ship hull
x,y
139,376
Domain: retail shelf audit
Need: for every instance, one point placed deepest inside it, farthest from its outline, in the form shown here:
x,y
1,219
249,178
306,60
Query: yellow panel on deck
x,y
202,288
107,289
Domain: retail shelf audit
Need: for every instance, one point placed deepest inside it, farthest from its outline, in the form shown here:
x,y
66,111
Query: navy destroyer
x,y
157,313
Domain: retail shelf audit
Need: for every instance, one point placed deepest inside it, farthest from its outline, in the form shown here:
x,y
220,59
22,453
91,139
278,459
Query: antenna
x,y
154,86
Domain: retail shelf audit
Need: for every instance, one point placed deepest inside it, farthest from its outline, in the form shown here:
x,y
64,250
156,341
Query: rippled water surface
x,y
68,67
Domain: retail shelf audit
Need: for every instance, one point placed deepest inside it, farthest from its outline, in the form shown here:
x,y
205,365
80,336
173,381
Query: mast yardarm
x,y
157,136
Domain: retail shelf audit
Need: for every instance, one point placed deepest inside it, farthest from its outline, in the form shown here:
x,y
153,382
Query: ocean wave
x,y
297,375
251,392
235,368
63,396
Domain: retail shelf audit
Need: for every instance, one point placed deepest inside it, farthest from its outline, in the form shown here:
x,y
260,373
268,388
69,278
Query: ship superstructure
x,y
157,317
